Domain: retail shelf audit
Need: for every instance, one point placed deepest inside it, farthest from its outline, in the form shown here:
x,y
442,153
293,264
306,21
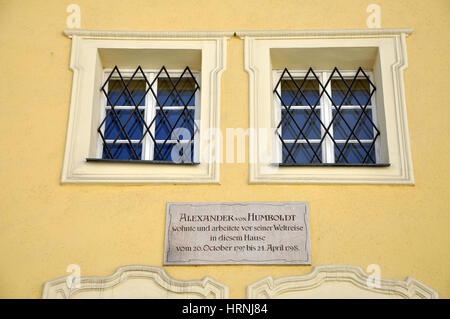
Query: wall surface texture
x,y
45,226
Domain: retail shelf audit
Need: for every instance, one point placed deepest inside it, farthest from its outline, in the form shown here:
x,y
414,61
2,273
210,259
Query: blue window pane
x,y
290,94
118,96
363,130
163,129
302,153
167,96
132,123
181,153
359,95
122,151
355,153
310,127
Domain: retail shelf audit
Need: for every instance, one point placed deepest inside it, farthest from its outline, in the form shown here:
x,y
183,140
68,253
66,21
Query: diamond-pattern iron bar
x,y
326,129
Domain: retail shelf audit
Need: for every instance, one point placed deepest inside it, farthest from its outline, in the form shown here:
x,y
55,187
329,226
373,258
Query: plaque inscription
x,y
237,233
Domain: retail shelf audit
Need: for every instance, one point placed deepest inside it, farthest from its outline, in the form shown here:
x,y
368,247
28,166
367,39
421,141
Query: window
x,y
327,106
326,117
149,116
144,107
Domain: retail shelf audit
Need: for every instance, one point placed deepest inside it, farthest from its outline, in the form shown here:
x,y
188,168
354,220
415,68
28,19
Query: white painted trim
x,y
312,284
106,287
84,63
392,58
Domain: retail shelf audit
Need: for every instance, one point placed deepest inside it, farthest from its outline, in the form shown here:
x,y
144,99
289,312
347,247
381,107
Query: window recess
x,y
149,116
326,118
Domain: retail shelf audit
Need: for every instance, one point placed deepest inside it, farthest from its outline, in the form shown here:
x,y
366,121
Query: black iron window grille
x,y
149,117
327,118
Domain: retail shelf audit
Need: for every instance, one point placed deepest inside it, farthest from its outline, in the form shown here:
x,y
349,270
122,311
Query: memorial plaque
x,y
237,233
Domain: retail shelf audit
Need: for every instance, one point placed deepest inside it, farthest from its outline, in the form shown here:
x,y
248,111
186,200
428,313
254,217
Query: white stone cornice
x,y
101,34
323,33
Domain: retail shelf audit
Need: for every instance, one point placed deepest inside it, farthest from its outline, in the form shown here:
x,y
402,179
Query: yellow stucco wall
x,y
45,226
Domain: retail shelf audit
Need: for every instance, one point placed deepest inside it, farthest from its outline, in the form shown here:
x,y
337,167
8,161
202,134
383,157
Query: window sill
x,y
101,160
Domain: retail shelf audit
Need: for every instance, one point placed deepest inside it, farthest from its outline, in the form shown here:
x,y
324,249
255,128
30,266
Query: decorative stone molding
x,y
101,34
388,63
135,282
337,281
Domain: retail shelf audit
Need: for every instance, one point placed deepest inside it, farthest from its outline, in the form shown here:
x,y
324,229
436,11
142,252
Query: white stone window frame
x,y
389,63
82,137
